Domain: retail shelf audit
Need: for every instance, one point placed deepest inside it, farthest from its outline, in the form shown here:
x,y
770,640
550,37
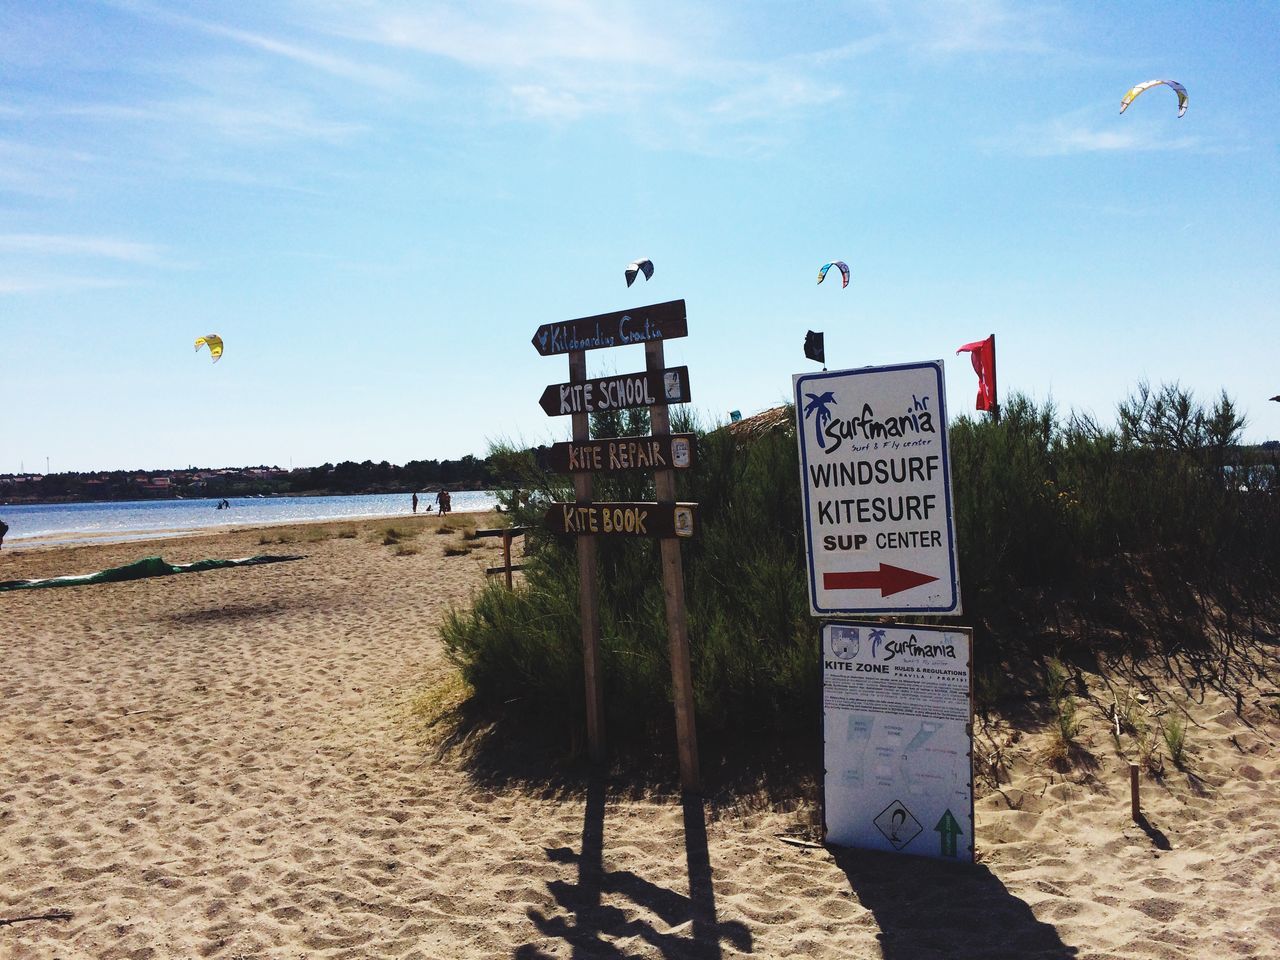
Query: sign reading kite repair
x,y
617,454
897,743
877,490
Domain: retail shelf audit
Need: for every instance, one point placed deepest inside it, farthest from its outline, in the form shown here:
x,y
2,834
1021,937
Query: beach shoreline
x,y
165,534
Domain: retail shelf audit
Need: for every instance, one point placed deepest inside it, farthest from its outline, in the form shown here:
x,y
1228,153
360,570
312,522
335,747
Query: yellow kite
x,y
213,342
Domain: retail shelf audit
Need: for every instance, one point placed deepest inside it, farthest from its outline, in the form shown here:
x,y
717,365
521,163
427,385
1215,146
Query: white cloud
x,y
268,122
342,67
68,245
772,93
13,286
943,28
516,34
541,101
1073,135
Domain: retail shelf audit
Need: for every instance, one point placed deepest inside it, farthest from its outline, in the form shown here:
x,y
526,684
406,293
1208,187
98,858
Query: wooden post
x,y
506,556
588,594
1135,807
664,482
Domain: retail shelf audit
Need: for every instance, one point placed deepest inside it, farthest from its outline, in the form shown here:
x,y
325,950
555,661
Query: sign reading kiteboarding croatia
x,y
876,477
658,321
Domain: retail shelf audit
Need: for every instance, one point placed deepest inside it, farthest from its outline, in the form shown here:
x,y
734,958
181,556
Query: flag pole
x,y
995,397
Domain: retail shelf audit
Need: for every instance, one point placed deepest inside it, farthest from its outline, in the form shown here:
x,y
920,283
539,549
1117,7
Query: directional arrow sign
x,y
949,829
617,392
888,579
658,321
615,454
624,519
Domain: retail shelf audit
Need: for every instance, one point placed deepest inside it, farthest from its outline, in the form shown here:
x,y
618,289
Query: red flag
x,y
983,355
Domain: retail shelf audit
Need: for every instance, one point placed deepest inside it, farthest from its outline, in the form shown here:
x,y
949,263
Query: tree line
x,y
347,477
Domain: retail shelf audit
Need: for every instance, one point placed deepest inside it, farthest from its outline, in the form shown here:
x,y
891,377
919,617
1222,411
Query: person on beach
x,y
4,528
415,503
442,498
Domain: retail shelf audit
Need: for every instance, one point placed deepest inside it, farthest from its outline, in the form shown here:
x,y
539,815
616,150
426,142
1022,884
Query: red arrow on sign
x,y
888,579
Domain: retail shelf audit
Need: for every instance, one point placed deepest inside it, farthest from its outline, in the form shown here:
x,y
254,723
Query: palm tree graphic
x,y
819,404
876,637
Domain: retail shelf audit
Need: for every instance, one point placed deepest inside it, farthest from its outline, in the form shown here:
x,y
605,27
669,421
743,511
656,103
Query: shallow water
x,y
32,524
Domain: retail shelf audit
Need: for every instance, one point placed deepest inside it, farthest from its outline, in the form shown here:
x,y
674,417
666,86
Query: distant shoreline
x,y
56,526
68,541
273,495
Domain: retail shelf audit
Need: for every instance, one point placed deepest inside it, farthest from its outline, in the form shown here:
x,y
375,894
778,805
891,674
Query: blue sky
x,y
376,202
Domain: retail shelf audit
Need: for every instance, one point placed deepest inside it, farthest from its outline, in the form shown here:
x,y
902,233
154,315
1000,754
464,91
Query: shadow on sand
x,y
930,909
588,925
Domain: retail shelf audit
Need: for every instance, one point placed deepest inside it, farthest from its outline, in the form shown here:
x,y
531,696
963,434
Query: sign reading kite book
x,y
876,478
897,742
624,519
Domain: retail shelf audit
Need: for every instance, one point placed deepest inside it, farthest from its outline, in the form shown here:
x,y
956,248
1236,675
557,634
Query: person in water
x,y
415,503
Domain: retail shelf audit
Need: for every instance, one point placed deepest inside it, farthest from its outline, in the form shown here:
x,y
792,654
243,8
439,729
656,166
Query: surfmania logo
x,y
832,431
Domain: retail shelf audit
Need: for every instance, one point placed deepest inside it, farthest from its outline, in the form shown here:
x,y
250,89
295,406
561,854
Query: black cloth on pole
x,y
814,348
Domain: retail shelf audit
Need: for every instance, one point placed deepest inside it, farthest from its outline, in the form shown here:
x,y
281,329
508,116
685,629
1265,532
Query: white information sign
x,y
876,478
898,741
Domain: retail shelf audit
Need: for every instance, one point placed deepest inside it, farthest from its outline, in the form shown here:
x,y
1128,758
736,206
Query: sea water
x,y
38,523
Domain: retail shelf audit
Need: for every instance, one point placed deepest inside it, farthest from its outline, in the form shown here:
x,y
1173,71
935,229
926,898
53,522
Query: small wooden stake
x,y
1134,805
506,556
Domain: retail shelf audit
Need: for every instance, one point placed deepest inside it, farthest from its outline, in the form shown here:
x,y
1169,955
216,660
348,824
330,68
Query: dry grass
x,y
440,703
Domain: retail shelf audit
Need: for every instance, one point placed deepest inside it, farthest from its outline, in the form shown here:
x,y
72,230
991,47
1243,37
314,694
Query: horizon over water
x,y
40,524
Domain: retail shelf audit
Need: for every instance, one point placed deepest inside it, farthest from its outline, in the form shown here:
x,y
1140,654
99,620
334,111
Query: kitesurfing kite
x,y
635,266
1276,398
1178,88
844,272
213,342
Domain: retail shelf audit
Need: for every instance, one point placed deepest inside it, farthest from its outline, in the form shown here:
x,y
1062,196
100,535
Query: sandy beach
x,y
237,764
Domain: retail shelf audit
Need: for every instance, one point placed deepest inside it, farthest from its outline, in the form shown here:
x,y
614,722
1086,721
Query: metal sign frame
x,y
871,566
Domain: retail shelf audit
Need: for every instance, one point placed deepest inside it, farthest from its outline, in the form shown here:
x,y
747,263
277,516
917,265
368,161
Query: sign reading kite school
x,y
643,389
897,741
876,478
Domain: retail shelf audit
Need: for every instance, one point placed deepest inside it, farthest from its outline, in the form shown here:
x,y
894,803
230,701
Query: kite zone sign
x,y
897,718
876,477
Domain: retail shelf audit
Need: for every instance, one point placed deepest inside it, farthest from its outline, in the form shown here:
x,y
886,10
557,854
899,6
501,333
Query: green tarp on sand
x,y
146,567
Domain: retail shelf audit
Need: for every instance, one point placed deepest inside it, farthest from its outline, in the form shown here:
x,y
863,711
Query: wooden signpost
x,y
658,520
658,321
643,389
668,521
616,454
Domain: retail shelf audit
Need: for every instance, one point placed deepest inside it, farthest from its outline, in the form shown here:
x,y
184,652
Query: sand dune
x,y
227,765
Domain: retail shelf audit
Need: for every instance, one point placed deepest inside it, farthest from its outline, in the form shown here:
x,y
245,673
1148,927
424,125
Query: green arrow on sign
x,y
949,829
